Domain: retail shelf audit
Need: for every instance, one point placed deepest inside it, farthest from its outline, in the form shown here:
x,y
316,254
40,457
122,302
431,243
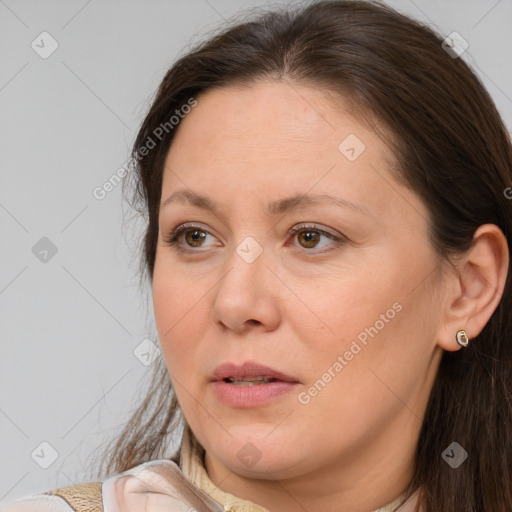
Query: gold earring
x,y
462,338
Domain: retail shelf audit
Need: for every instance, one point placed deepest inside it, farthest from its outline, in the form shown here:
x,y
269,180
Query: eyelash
x,y
173,237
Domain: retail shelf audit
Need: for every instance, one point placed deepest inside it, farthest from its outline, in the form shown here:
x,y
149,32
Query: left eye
x,y
309,236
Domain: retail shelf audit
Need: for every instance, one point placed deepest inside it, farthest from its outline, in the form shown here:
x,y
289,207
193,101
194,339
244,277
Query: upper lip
x,y
249,369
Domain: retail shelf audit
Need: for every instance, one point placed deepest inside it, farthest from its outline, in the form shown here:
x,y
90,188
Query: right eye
x,y
192,234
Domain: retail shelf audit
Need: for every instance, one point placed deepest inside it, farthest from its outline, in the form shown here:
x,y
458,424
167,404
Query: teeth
x,y
248,381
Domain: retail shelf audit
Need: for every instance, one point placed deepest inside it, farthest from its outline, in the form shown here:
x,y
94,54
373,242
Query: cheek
x,y
176,311
377,324
349,301
371,383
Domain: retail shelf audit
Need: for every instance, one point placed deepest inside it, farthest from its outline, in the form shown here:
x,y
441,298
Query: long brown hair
x,y
451,148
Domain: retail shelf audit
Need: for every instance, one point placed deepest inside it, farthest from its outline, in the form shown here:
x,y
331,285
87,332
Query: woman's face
x,y
343,313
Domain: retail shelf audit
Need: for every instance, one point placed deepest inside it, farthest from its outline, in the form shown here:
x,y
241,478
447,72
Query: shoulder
x,y
158,485
74,498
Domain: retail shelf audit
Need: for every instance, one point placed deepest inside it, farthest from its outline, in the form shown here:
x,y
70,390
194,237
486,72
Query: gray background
x,y
70,324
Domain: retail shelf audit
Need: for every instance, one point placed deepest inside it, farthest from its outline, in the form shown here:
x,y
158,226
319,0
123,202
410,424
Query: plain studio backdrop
x,y
75,82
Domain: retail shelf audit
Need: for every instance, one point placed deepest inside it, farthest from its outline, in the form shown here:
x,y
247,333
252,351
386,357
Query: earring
x,y
462,338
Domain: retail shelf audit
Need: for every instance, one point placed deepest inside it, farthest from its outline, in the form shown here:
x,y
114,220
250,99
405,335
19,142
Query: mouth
x,y
249,374
251,385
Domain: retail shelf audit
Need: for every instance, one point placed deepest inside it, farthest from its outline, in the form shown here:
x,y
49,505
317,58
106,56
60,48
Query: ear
x,y
475,286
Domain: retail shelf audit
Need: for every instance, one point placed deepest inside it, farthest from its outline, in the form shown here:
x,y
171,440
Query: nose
x,y
246,297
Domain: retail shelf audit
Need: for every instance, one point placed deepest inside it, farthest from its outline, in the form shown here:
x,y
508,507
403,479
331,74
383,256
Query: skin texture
x,y
296,308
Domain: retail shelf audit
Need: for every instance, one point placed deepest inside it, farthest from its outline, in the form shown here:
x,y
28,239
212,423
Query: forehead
x,y
269,124
279,115
272,137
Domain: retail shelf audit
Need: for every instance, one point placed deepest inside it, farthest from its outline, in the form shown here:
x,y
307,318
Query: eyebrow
x,y
275,208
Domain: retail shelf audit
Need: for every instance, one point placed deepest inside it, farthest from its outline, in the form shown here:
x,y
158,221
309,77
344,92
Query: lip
x,y
249,369
256,395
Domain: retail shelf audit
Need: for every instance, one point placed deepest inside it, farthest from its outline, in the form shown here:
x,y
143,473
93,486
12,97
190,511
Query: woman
x,y
329,219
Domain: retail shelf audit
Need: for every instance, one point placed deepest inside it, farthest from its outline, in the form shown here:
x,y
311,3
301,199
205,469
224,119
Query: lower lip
x,y
253,395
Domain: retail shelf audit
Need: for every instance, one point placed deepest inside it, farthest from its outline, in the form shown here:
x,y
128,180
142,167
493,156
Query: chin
x,y
261,456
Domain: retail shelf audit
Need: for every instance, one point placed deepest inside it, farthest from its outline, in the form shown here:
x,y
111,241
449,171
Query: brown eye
x,y
194,236
310,237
